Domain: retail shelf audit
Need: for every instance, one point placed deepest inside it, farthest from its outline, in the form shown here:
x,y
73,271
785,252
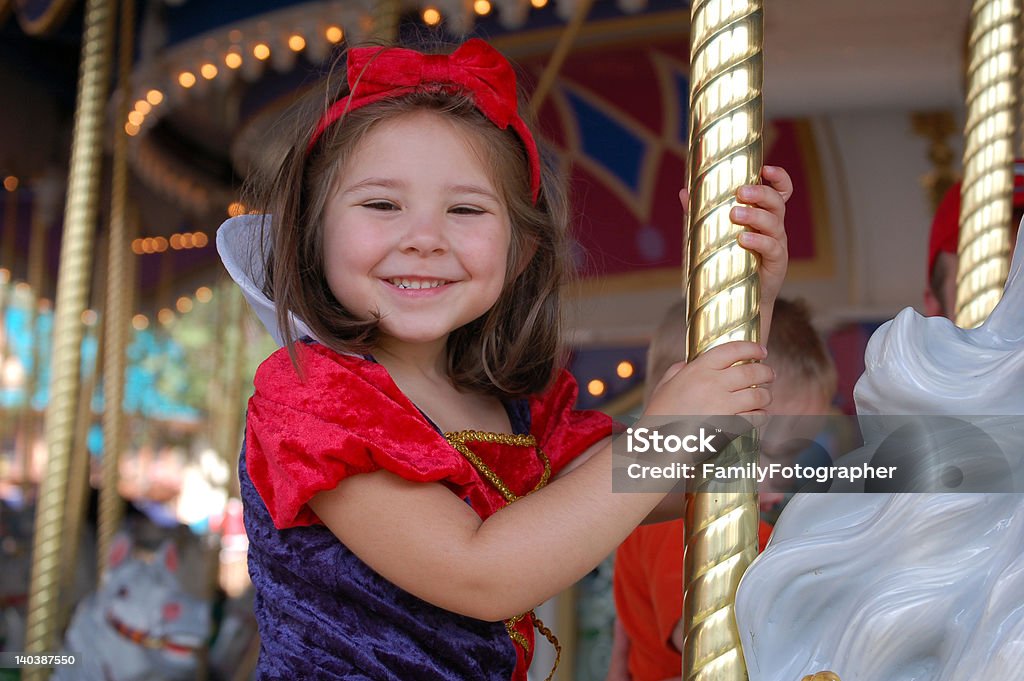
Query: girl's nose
x,y
425,234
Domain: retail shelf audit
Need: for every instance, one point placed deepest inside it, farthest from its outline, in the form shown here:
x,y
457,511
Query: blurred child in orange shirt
x,y
648,577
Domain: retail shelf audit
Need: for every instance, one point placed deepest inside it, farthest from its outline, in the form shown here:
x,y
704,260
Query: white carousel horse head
x,y
140,624
906,587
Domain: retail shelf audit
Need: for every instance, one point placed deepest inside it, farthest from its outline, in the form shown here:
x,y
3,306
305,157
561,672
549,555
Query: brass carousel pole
x,y
233,365
987,191
566,613
559,55
387,14
37,247
116,317
8,237
723,295
229,406
72,292
10,234
41,216
79,469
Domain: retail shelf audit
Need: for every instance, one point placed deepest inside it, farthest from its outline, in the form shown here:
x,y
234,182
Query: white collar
x,y
242,243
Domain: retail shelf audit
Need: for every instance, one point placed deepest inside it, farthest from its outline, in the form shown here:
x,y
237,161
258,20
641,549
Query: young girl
x,y
421,244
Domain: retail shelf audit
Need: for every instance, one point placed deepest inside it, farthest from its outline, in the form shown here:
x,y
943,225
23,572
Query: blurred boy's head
x,y
940,296
805,375
805,382
668,346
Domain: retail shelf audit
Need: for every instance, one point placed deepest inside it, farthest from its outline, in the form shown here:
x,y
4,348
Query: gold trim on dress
x,y
458,441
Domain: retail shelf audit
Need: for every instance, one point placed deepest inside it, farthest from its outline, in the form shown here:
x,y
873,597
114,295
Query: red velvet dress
x,y
319,607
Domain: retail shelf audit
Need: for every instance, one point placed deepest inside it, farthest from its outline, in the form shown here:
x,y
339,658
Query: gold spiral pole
x,y
72,293
232,370
41,215
79,469
8,239
116,317
387,15
723,295
559,55
987,192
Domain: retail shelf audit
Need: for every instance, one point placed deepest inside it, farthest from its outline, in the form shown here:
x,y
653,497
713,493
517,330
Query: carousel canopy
x,y
211,78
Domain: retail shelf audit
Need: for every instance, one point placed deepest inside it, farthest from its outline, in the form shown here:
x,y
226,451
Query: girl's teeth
x,y
410,284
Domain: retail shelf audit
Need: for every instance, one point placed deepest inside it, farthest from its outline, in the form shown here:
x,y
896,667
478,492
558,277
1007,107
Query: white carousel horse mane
x,y
906,587
242,243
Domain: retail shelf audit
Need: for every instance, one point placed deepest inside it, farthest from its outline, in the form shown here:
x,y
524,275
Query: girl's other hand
x,y
765,214
723,381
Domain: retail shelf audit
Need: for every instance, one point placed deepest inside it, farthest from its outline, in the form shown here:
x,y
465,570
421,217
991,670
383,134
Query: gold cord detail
x,y
458,440
510,627
539,625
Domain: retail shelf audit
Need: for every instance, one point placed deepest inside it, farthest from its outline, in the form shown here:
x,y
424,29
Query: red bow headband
x,y
476,68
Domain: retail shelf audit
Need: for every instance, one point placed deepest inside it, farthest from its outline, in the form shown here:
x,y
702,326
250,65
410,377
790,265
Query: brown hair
x,y
794,346
510,351
668,346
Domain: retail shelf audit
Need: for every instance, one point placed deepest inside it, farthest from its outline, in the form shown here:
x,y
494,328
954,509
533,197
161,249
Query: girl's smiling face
x,y
416,230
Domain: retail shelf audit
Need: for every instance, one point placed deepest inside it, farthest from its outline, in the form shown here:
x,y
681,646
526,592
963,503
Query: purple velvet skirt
x,y
324,614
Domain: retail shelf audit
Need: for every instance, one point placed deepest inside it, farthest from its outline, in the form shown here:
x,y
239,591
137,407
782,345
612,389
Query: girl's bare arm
x,y
429,542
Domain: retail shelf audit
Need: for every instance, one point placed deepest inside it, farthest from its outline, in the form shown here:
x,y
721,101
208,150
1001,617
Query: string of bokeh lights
x,y
248,55
140,246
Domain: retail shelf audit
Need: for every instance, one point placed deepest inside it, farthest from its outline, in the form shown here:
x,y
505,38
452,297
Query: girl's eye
x,y
467,210
380,205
